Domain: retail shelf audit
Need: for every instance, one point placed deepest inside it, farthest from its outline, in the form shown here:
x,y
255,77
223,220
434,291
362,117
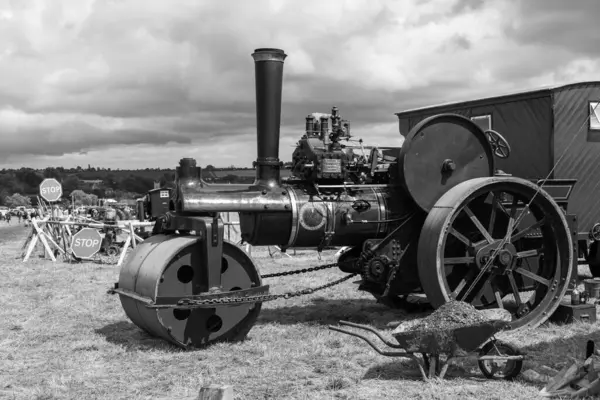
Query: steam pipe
x,y
268,64
194,199
192,194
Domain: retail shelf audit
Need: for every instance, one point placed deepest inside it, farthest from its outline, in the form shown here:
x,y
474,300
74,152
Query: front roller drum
x,y
497,242
171,266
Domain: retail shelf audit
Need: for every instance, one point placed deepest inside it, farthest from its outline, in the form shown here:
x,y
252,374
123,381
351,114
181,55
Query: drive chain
x,y
270,297
300,271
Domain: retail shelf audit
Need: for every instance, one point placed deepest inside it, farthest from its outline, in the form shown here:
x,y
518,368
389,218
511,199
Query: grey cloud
x,y
183,104
461,6
77,137
361,105
558,24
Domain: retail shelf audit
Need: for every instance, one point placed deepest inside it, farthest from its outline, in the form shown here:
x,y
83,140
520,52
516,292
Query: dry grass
x,y
63,337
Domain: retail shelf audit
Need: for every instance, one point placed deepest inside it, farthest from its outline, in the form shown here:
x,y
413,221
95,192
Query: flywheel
x,y
439,153
169,266
498,242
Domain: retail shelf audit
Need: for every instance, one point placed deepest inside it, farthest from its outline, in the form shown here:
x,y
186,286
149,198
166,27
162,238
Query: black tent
x,y
552,132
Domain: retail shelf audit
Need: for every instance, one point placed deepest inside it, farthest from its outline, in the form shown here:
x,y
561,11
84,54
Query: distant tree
x,y
30,179
82,198
10,183
17,200
209,168
167,180
99,192
52,173
70,183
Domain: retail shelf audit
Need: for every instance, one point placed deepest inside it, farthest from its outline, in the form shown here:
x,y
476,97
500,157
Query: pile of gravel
x,y
441,323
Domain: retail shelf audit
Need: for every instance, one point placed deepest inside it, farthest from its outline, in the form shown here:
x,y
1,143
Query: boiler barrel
x,y
345,218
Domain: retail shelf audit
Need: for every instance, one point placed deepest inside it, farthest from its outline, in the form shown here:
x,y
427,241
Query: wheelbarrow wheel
x,y
499,369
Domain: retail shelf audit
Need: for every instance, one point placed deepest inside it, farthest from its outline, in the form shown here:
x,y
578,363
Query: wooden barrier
x,y
55,234
57,230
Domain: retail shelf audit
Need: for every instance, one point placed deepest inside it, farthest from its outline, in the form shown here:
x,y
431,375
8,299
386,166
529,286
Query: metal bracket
x,y
215,232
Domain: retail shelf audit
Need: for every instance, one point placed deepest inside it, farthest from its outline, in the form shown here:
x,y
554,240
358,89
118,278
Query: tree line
x,y
20,187
25,183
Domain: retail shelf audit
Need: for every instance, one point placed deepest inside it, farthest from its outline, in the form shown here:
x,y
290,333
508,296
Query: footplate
x,y
205,300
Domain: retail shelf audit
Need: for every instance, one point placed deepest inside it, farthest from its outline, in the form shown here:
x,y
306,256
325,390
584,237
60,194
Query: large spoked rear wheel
x,y
497,242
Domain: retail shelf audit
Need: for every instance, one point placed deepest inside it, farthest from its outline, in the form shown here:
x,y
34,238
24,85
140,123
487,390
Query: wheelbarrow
x,y
495,359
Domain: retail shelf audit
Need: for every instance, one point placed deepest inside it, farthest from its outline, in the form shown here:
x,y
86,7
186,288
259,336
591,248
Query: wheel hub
x,y
504,259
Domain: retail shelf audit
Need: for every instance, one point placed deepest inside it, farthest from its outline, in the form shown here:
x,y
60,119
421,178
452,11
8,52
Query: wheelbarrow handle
x,y
373,345
372,330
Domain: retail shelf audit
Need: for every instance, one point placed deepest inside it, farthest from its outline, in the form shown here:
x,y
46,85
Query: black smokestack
x,y
268,65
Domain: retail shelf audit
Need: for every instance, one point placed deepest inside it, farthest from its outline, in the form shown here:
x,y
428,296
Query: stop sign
x,y
86,243
50,189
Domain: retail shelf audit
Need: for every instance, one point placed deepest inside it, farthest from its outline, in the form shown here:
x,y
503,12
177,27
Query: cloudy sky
x,y
143,83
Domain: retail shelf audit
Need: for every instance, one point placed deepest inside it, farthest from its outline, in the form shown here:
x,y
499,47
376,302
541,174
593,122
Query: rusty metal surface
x,y
579,149
441,152
440,244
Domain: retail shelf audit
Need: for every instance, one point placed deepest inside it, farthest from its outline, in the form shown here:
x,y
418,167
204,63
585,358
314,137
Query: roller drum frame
x,y
172,266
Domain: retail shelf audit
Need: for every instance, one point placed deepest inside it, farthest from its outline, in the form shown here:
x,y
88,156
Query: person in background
x,y
19,216
8,217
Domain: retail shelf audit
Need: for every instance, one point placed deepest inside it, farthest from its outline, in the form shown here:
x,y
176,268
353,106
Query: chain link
x,y
300,271
270,297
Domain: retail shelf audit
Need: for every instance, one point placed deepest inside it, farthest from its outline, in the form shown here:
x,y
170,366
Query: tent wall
x,y
526,123
579,148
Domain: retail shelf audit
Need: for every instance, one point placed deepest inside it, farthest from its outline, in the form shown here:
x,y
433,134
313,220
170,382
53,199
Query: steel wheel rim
x,y
503,369
549,281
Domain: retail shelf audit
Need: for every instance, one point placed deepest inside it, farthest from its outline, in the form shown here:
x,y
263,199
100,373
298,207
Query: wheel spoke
x,y
473,284
515,289
511,219
478,224
461,237
462,283
482,288
533,276
528,229
493,214
497,295
529,253
459,260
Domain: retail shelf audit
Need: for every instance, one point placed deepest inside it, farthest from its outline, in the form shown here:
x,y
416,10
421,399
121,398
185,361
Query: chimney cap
x,y
269,50
269,54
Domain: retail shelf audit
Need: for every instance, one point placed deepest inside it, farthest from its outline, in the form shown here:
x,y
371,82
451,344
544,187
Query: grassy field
x,y
63,337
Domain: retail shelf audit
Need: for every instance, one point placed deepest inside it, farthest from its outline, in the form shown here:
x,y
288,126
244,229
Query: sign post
x,y
86,243
51,190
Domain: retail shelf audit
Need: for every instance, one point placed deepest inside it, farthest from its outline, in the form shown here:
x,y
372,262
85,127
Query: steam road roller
x,y
432,216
